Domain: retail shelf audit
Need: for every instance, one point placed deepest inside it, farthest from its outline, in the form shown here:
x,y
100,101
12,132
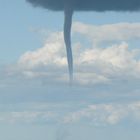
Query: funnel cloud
x,y
69,6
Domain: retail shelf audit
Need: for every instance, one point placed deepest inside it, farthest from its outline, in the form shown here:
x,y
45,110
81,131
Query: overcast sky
x,y
36,101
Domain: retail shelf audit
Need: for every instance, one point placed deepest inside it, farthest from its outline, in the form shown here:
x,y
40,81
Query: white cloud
x,y
104,114
27,117
91,65
108,32
52,53
98,114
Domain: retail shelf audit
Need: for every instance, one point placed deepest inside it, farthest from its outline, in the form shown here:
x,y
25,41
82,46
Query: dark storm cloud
x,y
89,5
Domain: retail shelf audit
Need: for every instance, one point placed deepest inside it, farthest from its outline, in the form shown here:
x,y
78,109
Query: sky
x,y
36,101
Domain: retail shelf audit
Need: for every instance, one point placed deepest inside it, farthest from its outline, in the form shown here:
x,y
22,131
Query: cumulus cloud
x,y
92,64
52,53
108,33
111,64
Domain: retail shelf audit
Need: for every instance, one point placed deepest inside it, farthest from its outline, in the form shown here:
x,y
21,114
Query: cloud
x,y
115,62
53,53
108,32
98,114
105,114
88,5
28,117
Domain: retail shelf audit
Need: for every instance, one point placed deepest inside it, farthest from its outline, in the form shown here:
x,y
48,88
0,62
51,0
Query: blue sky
x,y
36,101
